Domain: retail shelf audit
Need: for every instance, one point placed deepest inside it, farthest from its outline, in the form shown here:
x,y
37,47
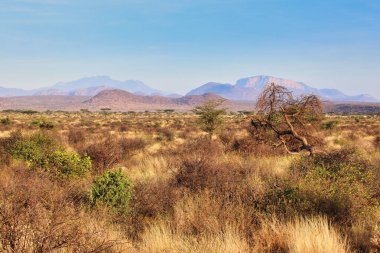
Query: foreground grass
x,y
190,193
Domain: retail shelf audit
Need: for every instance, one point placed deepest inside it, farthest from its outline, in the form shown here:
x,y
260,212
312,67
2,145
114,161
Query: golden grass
x,y
302,235
161,237
149,168
314,235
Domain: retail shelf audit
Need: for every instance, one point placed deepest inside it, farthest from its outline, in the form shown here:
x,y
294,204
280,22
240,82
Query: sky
x,y
177,45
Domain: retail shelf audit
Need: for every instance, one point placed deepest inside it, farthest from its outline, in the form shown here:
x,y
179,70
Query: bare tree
x,y
289,118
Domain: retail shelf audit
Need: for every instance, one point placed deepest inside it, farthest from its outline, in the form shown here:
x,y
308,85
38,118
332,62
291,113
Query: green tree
x,y
210,116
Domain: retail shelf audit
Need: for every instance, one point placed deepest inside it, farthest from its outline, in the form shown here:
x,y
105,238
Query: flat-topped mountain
x,y
249,88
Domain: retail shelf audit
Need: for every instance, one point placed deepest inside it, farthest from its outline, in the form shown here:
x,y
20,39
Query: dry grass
x,y
315,235
302,235
192,194
163,238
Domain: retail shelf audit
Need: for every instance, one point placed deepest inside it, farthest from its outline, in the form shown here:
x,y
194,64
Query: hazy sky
x,y
179,44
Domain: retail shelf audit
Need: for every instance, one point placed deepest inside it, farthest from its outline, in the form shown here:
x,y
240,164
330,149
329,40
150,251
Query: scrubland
x,y
155,182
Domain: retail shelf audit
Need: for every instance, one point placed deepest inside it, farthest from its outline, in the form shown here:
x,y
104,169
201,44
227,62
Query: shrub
x,y
376,142
76,136
46,125
5,121
38,215
210,116
33,149
5,158
42,151
341,185
129,146
330,124
68,164
112,189
165,134
42,123
104,155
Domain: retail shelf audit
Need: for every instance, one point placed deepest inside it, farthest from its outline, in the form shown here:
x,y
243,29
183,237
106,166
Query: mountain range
x,y
116,100
245,89
249,88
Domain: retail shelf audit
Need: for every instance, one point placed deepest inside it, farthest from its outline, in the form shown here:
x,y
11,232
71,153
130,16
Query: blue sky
x,y
178,45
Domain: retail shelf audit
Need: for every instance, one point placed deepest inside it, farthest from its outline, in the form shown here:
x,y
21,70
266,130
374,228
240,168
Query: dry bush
x,y
5,157
165,133
222,178
43,219
150,201
376,142
130,146
104,155
123,128
154,198
76,136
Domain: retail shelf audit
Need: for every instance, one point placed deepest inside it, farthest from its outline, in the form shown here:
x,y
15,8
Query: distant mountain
x,y
88,86
120,100
245,89
107,83
249,88
12,92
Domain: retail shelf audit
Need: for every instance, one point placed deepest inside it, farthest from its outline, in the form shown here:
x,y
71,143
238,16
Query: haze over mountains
x,y
246,89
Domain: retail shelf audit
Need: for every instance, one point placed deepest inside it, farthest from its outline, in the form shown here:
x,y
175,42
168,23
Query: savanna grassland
x,y
155,182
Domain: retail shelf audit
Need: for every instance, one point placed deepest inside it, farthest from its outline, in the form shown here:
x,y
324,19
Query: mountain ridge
x,y
244,89
249,88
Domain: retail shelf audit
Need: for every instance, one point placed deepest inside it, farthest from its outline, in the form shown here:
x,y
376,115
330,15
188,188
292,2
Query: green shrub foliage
x,y
5,121
65,163
42,151
210,116
33,149
112,189
341,185
330,124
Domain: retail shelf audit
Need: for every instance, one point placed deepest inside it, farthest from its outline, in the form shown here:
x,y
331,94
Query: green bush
x,y
210,116
42,123
40,150
33,149
66,164
112,189
341,185
329,124
46,125
5,121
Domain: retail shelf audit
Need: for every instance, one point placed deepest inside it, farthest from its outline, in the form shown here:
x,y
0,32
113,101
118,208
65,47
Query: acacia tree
x,y
289,118
210,116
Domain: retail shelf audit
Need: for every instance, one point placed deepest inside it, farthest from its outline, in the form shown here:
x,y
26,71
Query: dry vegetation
x,y
157,183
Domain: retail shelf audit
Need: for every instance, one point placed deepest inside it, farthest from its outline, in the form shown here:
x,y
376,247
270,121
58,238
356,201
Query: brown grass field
x,y
190,193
